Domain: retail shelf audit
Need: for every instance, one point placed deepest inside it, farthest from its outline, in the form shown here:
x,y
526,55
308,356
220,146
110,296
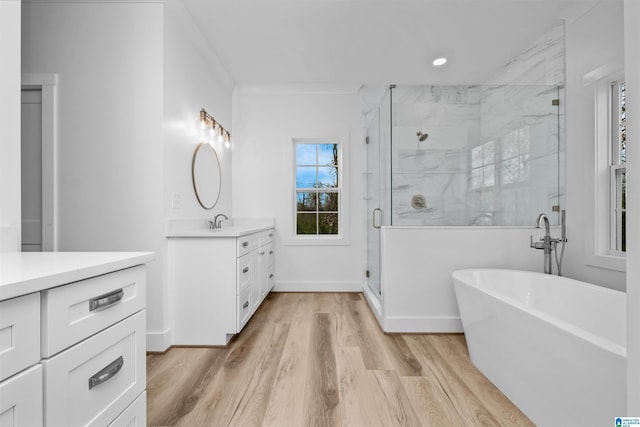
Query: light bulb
x,y
439,61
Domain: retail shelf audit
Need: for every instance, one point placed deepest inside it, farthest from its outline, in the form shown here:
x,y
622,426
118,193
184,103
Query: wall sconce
x,y
208,122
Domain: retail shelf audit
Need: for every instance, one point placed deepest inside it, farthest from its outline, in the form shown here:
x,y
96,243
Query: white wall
x,y
632,76
109,59
193,79
592,41
10,125
266,119
417,263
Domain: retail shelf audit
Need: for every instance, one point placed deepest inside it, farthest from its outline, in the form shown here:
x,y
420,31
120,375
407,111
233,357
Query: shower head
x,y
422,136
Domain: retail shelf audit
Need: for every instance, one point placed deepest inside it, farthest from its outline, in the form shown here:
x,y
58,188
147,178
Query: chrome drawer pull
x,y
245,244
271,276
270,252
262,253
270,234
246,304
106,300
245,270
106,373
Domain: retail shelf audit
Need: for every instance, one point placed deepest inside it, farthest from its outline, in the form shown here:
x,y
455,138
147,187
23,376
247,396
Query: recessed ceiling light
x,y
439,61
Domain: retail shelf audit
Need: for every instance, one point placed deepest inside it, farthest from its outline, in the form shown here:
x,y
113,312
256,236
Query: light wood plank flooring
x,y
320,359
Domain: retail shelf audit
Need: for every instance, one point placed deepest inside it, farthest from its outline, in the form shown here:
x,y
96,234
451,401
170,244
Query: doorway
x,y
38,182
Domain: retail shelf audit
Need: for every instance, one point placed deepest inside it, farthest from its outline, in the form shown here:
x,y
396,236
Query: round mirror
x,y
205,171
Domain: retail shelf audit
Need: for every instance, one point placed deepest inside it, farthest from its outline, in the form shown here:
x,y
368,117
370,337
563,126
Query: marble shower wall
x,y
437,168
495,153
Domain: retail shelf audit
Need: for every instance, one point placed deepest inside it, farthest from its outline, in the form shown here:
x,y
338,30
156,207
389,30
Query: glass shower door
x,y
377,190
373,211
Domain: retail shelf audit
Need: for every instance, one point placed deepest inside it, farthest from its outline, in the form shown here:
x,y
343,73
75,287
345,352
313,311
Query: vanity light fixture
x,y
207,121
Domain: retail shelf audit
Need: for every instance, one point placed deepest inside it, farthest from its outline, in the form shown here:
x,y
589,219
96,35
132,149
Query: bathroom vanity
x,y
218,278
72,338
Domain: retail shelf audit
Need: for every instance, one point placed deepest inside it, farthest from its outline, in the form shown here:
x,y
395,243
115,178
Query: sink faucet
x,y
216,224
548,244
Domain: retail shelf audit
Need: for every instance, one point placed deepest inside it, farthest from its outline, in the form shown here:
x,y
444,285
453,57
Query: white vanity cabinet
x,y
217,283
72,348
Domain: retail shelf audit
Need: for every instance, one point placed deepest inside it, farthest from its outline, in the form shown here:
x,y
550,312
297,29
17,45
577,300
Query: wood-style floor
x,y
310,359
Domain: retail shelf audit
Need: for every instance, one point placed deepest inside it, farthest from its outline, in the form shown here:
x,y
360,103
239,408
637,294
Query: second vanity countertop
x,y
234,227
22,273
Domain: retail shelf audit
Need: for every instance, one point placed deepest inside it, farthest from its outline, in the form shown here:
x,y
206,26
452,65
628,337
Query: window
x,y
617,167
608,212
318,189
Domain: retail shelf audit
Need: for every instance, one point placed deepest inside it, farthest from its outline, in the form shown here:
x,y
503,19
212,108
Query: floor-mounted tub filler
x,y
555,346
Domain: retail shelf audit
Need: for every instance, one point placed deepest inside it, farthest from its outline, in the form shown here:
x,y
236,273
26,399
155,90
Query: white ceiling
x,y
373,41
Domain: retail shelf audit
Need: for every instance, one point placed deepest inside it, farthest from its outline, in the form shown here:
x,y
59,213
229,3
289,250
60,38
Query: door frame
x,y
47,83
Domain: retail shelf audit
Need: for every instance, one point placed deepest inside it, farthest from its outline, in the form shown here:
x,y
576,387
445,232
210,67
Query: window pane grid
x,y
317,189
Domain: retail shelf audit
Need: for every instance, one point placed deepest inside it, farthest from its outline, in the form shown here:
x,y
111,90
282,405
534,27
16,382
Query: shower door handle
x,y
379,218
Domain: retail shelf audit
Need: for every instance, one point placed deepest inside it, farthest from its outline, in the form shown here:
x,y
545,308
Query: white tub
x,y
555,346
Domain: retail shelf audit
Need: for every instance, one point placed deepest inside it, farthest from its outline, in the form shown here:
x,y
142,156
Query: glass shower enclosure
x,y
449,156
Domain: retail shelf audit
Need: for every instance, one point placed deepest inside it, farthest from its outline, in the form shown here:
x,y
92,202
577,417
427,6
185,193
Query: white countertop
x,y
22,273
234,227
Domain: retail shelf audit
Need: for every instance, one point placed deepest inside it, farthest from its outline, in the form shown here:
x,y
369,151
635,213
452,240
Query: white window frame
x,y
599,252
343,236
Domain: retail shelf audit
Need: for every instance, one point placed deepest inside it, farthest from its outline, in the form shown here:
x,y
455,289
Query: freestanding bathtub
x,y
555,346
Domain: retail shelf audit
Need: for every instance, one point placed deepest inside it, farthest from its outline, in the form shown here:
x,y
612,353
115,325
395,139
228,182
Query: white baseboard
x,y
423,324
293,286
374,304
159,341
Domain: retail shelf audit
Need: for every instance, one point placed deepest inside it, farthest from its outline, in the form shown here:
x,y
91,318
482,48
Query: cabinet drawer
x,y
135,415
266,236
268,253
76,311
94,381
244,308
19,334
21,399
245,272
247,243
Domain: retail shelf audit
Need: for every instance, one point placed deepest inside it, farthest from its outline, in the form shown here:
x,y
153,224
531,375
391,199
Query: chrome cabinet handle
x,y
246,304
270,234
245,244
262,253
106,373
245,270
374,218
270,252
106,300
271,276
